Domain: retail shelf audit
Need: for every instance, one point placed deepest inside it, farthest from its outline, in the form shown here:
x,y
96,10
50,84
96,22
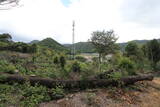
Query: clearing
x,y
142,94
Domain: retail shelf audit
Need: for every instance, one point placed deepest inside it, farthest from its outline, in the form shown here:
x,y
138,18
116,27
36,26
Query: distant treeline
x,y
19,47
6,43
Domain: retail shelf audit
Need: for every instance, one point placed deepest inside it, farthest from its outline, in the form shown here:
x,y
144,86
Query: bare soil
x,y
142,94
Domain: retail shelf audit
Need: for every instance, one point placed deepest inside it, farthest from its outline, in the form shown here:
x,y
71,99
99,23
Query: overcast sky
x,y
38,19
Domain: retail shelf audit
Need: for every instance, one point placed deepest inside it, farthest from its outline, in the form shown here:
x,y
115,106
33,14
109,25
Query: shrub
x,y
127,65
86,70
62,61
76,67
116,75
55,60
6,67
34,95
57,93
80,58
21,68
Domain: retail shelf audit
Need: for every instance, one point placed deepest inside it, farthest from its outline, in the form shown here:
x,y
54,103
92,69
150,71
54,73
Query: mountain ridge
x,y
87,47
50,43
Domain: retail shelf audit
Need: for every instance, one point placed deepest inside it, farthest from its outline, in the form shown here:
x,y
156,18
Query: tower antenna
x,y
73,40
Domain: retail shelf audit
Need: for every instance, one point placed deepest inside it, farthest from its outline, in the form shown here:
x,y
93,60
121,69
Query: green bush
x,y
56,60
23,95
34,95
21,69
62,61
86,70
80,58
6,67
76,66
127,65
57,93
116,75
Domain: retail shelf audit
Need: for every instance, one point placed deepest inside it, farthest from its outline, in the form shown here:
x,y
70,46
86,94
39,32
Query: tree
x,y
104,42
33,48
5,37
132,50
55,60
62,61
153,52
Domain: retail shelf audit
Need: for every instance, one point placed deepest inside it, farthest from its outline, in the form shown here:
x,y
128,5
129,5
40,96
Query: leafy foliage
x,y
47,58
127,65
153,52
104,42
6,67
132,49
76,66
62,61
5,37
57,92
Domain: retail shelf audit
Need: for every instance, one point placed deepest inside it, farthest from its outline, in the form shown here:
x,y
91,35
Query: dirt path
x,y
142,94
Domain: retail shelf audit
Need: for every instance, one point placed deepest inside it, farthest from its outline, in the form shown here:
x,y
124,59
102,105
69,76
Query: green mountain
x,y
139,42
87,47
52,44
34,41
82,47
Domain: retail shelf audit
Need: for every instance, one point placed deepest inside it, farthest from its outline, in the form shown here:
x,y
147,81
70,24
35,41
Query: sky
x,y
39,19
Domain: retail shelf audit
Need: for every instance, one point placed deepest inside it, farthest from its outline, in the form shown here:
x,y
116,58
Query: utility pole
x,y
73,39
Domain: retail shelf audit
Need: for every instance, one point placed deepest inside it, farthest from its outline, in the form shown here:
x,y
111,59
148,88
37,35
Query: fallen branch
x,y
72,84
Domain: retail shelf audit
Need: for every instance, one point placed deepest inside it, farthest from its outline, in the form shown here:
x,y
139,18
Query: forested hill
x,y
50,43
34,41
82,47
87,47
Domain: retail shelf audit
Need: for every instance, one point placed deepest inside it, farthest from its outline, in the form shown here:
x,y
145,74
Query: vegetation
x,y
152,50
82,47
26,95
87,47
104,42
52,44
5,37
51,60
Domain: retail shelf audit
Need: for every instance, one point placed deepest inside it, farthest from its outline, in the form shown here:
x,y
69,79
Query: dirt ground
x,y
142,94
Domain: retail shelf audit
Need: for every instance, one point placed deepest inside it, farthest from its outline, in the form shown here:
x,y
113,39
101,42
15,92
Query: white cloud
x,y
38,19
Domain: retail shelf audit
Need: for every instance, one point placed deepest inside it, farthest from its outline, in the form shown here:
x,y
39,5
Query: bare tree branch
x,y
8,4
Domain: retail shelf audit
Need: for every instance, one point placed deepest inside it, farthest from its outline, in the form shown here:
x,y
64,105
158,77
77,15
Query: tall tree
x,y
153,52
104,42
133,50
5,37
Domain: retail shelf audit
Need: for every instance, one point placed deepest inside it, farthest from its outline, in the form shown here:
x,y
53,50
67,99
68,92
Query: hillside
x,y
34,41
51,43
87,47
82,47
